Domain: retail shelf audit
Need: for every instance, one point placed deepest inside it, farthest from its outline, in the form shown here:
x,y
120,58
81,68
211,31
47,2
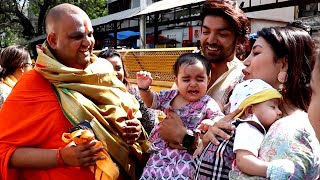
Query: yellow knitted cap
x,y
251,92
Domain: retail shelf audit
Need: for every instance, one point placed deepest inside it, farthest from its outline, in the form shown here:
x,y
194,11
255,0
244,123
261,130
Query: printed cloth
x,y
168,163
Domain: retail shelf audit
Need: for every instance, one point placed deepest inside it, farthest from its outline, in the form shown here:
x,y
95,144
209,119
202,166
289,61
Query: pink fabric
x,y
174,163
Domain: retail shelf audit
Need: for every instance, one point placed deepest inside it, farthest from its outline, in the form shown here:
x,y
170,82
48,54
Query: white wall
x,y
279,15
258,24
176,34
258,2
267,18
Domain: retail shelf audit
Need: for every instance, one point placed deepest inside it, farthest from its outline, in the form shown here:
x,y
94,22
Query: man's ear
x,y
52,40
248,110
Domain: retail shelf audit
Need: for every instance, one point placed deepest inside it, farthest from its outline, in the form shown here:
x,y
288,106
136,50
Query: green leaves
x,y
22,20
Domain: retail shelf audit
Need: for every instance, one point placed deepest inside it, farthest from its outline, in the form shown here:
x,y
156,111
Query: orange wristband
x,y
60,161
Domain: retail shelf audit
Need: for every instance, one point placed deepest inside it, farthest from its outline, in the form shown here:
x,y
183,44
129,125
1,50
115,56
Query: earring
x,y
282,77
22,71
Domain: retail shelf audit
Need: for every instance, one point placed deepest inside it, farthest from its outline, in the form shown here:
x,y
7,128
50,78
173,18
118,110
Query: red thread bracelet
x,y
60,161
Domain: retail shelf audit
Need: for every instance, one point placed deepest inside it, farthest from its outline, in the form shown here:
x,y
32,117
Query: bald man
x,y
70,35
68,85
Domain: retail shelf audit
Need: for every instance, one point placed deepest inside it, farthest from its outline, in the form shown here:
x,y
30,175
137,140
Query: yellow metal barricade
x,y
159,62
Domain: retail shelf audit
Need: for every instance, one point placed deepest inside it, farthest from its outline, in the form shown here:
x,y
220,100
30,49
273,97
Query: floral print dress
x,y
168,163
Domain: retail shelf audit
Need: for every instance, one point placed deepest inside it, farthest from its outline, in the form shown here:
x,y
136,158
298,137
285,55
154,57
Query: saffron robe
x,y
32,117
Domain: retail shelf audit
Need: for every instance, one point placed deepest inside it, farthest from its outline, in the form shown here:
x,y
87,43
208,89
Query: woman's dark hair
x,y
190,59
109,53
12,58
229,10
300,24
299,49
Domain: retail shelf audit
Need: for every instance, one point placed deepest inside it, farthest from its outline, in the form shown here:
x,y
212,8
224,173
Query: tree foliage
x,y
22,20
9,37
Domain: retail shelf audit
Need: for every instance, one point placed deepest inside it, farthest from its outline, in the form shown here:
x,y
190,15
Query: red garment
x,y
32,117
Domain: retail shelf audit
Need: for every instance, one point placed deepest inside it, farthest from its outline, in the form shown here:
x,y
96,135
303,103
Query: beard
x,y
215,59
219,57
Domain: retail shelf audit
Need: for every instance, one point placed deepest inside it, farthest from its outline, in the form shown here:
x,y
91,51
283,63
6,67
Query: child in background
x,y
260,109
190,102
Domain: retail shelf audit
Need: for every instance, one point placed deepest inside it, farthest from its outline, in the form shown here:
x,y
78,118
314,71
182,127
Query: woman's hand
x,y
218,129
81,155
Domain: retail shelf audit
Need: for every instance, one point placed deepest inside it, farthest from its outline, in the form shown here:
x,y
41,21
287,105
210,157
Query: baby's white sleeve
x,y
247,138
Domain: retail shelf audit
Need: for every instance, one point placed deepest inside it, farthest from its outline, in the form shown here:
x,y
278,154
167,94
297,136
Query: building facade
x,y
176,23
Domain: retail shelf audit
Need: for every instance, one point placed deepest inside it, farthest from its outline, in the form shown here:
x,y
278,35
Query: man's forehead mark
x,y
86,25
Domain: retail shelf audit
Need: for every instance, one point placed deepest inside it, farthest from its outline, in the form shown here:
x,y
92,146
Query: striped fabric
x,y
215,162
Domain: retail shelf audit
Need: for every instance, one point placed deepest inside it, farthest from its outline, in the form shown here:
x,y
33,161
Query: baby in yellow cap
x,y
260,109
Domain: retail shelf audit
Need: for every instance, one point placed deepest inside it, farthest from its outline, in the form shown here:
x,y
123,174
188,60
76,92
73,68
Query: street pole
x,y
142,25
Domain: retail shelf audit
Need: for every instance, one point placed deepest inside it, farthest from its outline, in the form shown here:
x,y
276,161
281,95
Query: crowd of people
x,y
225,118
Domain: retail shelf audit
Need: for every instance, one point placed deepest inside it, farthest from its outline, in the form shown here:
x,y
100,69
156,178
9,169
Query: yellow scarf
x,y
10,80
104,169
95,94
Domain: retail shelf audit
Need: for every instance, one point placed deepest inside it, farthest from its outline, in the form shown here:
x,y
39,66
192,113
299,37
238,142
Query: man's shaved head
x,y
61,11
70,35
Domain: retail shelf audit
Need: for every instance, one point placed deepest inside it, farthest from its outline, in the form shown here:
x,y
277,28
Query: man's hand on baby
x,y
205,125
202,129
218,129
172,129
144,79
